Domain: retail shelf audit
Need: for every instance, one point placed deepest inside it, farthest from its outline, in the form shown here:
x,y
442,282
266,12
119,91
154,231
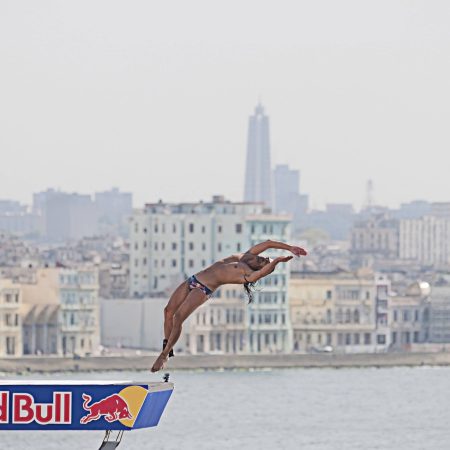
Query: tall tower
x,y
258,176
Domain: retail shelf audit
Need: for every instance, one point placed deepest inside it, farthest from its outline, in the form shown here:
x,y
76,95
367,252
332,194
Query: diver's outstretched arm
x,y
263,246
266,270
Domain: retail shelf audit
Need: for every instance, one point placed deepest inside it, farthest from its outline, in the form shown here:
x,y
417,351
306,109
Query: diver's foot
x,y
159,363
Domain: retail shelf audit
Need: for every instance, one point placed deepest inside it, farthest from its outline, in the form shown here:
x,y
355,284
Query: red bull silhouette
x,y
113,408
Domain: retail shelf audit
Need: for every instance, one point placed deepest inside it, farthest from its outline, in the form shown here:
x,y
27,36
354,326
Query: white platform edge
x,y
152,386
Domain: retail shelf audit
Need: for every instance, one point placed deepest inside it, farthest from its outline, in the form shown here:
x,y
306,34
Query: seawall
x,y
214,362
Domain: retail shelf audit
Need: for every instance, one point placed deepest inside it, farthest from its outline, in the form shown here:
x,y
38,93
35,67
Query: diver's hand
x,y
282,259
298,251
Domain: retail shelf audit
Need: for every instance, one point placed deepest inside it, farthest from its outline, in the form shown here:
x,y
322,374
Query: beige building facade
x,y
61,312
10,319
334,311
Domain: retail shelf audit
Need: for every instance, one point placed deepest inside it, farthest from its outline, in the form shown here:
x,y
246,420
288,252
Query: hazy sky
x,y
154,97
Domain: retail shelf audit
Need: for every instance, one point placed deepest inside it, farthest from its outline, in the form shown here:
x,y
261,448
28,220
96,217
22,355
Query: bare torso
x,y
226,271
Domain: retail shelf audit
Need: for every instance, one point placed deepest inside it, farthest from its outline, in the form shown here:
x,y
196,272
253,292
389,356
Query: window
x,y
356,338
163,246
329,295
191,246
10,345
174,228
395,315
367,339
356,316
328,338
348,339
144,261
219,229
203,246
381,339
416,337
407,337
394,337
348,316
238,247
239,228
219,247
174,245
145,230
191,263
191,228
416,316
156,228
405,315
174,263
340,339
203,229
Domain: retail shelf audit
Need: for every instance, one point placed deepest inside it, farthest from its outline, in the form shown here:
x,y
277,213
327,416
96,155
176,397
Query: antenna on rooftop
x,y
369,203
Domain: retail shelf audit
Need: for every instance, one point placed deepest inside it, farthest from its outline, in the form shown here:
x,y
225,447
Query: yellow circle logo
x,y
134,396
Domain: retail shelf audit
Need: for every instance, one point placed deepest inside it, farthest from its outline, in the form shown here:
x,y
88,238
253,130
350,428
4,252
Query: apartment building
x,y
169,242
335,309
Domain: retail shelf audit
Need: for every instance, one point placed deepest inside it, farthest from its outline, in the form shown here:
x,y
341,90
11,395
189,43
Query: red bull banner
x,y
81,405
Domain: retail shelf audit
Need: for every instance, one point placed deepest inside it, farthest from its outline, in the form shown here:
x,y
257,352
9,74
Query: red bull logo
x,y
25,410
112,408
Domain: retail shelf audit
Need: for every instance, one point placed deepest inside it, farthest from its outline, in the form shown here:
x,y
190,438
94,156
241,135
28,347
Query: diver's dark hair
x,y
248,290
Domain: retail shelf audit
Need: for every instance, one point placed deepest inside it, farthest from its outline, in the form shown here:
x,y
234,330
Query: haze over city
x,y
155,98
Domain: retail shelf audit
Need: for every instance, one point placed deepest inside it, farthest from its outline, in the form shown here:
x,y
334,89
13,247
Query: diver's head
x,y
255,262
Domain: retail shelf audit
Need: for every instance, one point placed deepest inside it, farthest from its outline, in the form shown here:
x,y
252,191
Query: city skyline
x,y
354,91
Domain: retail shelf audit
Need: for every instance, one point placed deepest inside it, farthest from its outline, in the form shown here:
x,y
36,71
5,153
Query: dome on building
x,y
419,288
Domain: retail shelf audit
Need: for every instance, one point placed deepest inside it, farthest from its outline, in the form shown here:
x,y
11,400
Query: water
x,y
317,409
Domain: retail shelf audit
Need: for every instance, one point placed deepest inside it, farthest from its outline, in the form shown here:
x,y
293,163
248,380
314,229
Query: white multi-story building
x,y
409,314
170,242
425,240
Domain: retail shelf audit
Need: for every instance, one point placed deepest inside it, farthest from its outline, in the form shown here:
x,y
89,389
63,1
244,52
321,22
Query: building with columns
x,y
61,312
336,309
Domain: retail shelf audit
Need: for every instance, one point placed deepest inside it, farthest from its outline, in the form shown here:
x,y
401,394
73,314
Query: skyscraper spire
x,y
258,179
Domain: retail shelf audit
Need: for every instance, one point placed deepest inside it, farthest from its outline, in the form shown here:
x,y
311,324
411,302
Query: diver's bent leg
x,y
195,298
176,299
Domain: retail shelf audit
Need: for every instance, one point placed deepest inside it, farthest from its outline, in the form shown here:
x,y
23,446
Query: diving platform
x,y
83,405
